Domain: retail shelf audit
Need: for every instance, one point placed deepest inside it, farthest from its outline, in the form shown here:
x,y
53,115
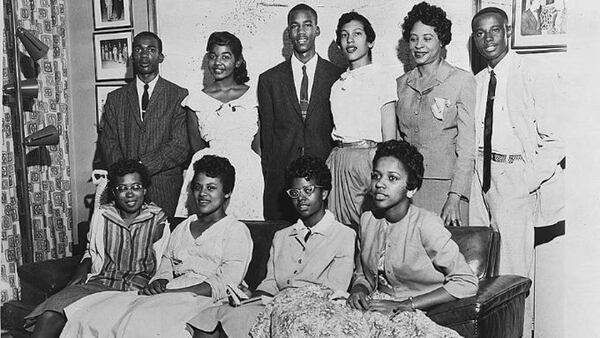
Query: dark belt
x,y
357,144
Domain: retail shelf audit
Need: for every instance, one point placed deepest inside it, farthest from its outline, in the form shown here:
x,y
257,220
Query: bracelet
x,y
412,304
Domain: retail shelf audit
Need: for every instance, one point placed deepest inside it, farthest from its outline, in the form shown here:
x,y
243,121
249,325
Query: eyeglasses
x,y
307,190
121,189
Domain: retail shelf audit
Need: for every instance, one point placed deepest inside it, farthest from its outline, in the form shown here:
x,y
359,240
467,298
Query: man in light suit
x,y
144,120
519,185
294,111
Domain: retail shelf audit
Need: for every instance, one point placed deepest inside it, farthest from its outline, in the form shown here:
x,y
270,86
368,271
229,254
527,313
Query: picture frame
x,y
539,26
102,91
112,52
119,10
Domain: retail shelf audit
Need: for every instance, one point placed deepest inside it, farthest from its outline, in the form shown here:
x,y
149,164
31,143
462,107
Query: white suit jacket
x,y
535,109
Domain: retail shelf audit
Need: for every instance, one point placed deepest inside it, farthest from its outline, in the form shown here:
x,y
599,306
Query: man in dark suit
x,y
294,111
144,120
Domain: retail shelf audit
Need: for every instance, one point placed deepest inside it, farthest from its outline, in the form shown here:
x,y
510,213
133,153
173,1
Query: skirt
x,y
351,169
67,296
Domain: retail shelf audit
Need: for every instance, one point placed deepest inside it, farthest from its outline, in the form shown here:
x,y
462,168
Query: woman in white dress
x,y
226,112
207,252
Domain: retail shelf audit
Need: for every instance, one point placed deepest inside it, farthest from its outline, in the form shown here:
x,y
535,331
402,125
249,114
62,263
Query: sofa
x,y
495,311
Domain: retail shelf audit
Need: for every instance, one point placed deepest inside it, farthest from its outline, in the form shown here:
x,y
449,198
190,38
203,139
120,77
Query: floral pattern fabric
x,y
308,312
49,185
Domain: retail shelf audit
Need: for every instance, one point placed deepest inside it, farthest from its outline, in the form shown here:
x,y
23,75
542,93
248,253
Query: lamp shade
x,y
29,88
35,48
47,136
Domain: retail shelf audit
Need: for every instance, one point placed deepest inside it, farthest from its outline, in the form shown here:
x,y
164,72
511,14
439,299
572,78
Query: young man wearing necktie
x,y
144,120
518,181
294,111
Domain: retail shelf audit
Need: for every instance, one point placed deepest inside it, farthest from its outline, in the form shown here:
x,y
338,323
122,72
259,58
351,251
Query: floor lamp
x,y
16,92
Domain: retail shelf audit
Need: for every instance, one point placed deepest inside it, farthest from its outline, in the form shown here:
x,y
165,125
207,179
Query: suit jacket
x,y
160,142
447,142
535,110
284,136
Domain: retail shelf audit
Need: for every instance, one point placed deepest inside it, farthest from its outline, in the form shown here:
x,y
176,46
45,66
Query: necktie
x,y
145,100
307,235
487,132
304,93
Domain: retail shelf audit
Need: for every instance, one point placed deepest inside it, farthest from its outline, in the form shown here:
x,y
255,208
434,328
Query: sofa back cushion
x,y
479,245
262,233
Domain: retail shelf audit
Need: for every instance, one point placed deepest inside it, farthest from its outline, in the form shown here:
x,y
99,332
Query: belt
x,y
357,144
502,158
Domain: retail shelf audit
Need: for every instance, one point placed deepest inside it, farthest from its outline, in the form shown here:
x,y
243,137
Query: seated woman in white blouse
x,y
363,108
316,250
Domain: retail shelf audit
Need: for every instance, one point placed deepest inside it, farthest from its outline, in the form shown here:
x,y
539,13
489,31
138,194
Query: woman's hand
x,y
383,305
154,288
359,298
451,210
77,279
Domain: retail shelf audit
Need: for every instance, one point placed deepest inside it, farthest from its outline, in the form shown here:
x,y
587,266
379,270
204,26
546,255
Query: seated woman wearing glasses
x,y
206,252
316,250
407,264
107,265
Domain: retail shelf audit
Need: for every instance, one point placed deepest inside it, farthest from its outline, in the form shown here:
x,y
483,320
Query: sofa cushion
x,y
40,280
479,245
262,233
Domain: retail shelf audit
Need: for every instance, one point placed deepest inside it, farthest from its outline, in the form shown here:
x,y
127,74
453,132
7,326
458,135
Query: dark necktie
x,y
307,235
487,132
304,93
145,100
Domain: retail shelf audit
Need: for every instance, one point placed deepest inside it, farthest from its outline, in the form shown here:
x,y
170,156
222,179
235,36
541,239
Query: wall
x,y
83,96
261,25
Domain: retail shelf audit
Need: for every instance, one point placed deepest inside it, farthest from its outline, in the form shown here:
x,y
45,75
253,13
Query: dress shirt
x,y
139,84
504,139
327,258
356,101
311,66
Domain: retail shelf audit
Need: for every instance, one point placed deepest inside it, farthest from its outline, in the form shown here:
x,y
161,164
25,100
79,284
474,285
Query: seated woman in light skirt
x,y
317,250
206,252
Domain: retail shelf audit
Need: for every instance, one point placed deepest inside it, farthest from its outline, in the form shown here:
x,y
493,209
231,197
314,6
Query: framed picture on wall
x,y
112,55
539,25
112,14
102,91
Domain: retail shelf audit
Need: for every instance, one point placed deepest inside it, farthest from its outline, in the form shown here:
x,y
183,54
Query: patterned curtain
x,y
49,185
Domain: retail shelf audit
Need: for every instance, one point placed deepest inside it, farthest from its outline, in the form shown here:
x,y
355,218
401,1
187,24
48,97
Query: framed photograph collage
x,y
112,41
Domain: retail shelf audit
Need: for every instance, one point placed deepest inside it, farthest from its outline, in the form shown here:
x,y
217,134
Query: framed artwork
x,y
112,55
539,25
112,14
101,94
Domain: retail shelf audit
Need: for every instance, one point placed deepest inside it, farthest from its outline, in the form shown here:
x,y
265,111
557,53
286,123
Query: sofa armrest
x,y
493,292
40,280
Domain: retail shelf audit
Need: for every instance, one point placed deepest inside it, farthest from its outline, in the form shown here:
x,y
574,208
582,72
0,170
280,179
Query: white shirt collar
x,y
139,84
311,67
321,227
502,66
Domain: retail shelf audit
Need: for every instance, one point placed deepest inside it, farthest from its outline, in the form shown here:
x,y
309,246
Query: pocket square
x,y
438,107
